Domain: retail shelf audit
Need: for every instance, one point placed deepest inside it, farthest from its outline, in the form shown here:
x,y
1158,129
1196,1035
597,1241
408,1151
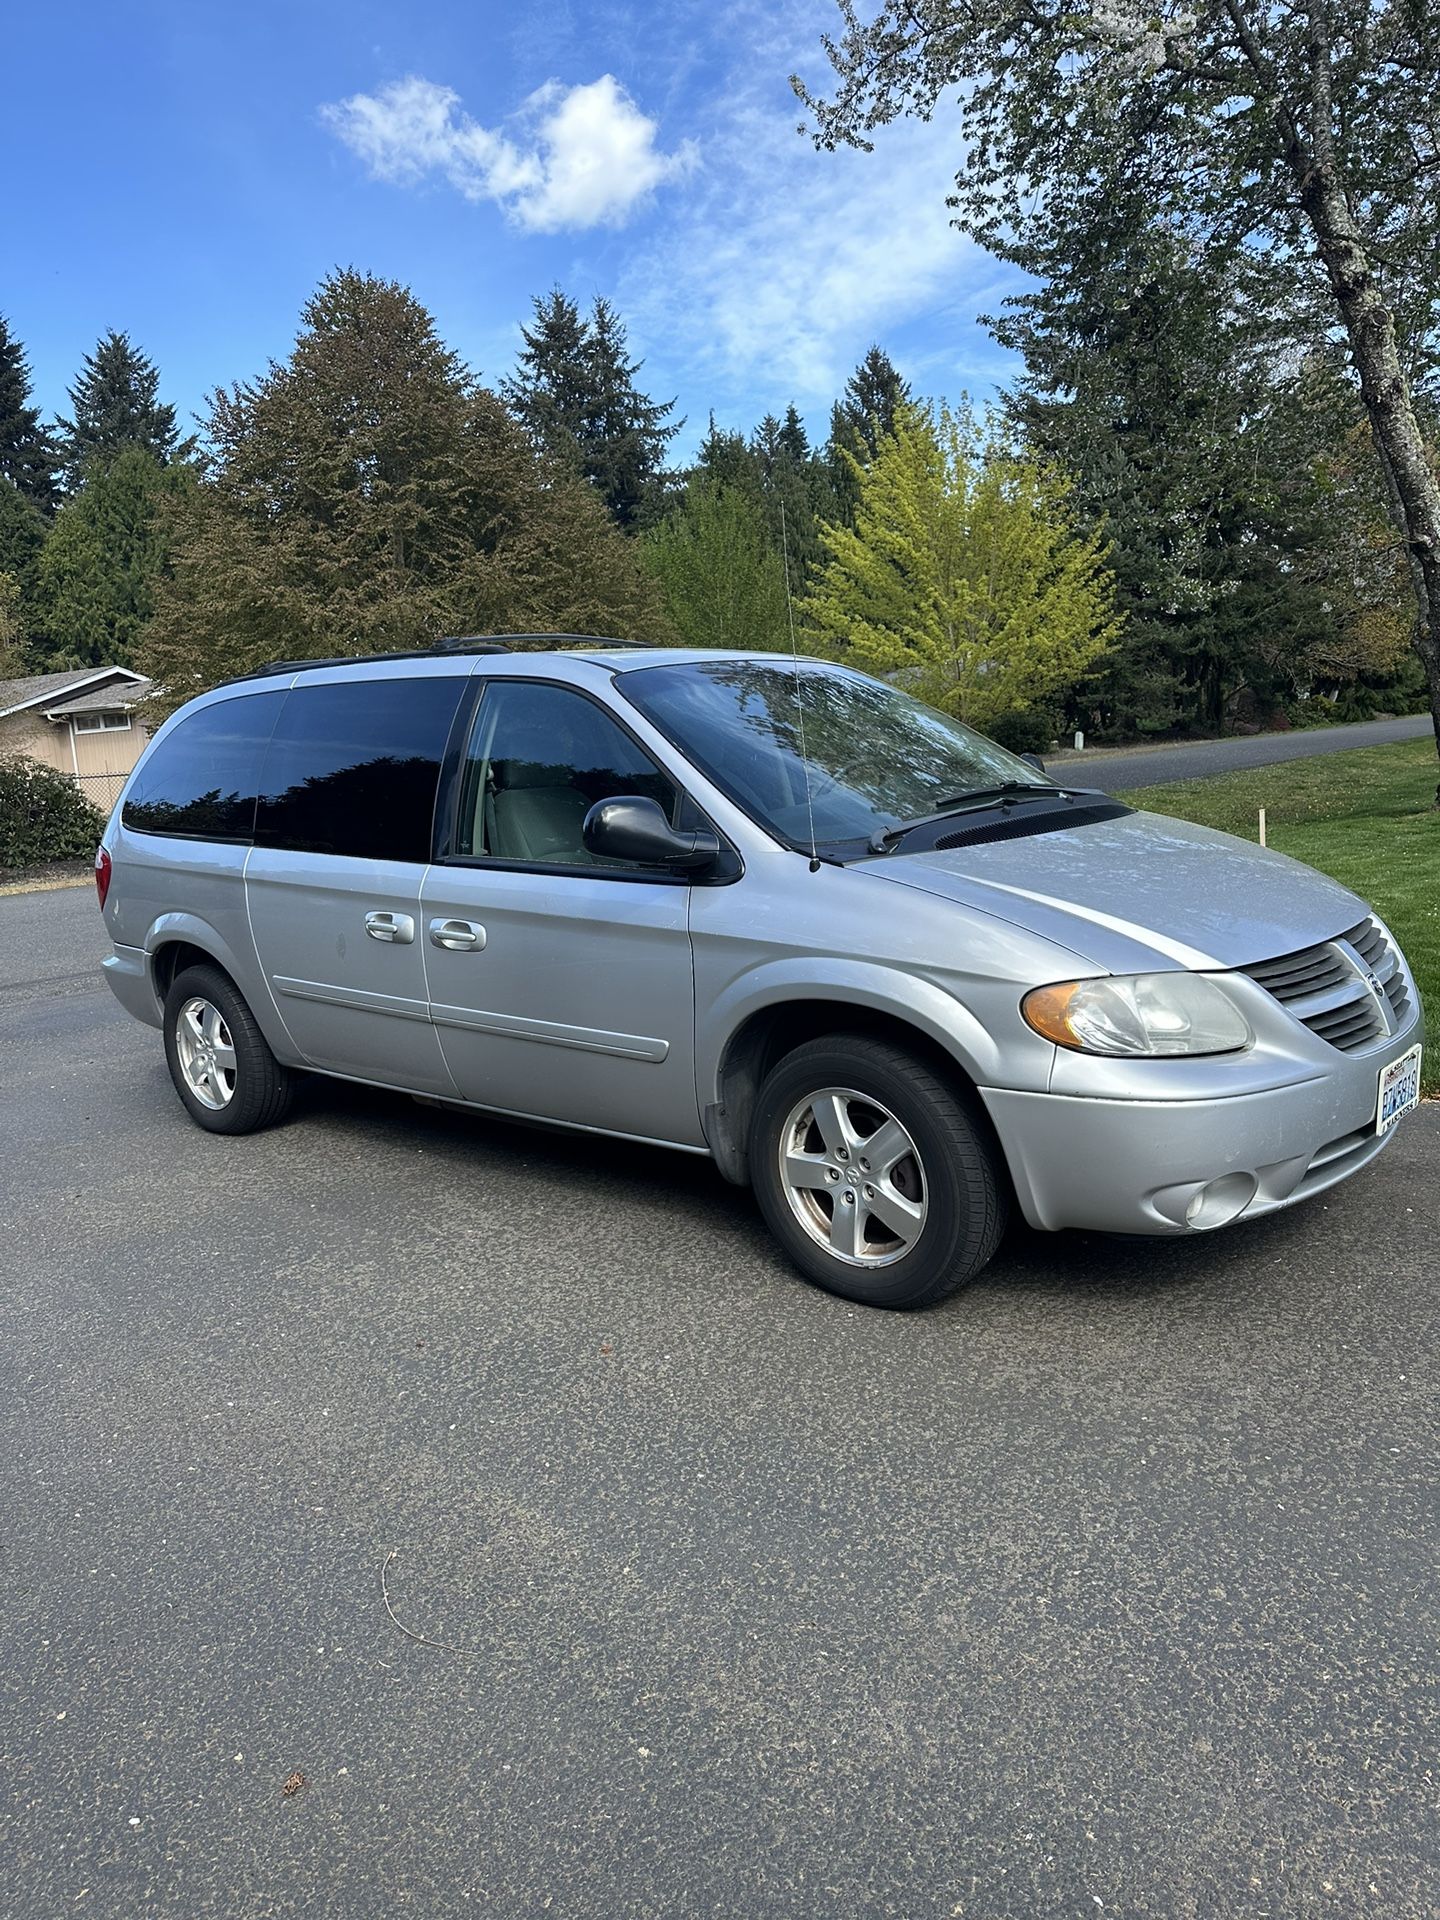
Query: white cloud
x,y
778,265
572,157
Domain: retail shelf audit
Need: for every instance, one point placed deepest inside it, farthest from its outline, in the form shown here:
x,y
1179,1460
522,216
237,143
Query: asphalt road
x,y
1196,760
1109,1588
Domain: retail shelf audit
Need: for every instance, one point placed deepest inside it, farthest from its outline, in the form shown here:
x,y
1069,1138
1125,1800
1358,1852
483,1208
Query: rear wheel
x,y
224,1072
873,1175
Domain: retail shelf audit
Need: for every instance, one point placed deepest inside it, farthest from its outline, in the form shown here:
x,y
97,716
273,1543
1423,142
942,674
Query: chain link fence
x,y
103,789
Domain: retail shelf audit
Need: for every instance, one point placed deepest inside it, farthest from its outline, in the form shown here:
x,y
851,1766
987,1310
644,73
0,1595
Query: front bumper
x,y
1135,1166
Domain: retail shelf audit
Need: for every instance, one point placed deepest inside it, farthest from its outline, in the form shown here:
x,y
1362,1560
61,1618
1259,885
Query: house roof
x,y
118,697
49,689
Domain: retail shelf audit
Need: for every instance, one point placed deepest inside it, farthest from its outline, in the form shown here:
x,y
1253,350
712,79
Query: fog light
x,y
1221,1201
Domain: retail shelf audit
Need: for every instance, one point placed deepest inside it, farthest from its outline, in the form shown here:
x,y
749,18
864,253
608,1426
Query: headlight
x,y
1144,1014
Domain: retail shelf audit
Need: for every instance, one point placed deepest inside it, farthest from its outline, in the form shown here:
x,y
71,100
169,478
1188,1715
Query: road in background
x,y
511,1490
1198,759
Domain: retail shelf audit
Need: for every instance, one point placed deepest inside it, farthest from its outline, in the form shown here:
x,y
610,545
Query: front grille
x,y
1329,993
1368,940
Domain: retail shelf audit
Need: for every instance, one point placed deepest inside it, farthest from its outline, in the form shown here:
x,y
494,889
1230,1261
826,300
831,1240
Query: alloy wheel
x,y
853,1177
207,1053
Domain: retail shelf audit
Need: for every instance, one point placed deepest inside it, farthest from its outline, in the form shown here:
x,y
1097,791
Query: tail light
x,y
102,874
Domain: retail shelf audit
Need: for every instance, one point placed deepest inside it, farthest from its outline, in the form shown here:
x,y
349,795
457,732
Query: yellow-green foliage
x,y
964,574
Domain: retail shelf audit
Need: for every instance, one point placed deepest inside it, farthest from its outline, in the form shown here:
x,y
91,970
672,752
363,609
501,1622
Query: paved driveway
x,y
1107,1589
1196,759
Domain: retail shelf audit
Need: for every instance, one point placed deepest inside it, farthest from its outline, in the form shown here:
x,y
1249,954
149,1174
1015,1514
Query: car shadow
x,y
1100,1266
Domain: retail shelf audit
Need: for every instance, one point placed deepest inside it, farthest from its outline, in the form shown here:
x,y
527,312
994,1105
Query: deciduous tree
x,y
367,493
1297,135
963,574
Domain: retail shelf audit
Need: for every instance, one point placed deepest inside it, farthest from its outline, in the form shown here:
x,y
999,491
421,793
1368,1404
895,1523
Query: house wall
x,y
101,760
32,733
114,752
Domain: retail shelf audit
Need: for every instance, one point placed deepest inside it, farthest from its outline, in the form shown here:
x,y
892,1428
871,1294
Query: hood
x,y
1145,888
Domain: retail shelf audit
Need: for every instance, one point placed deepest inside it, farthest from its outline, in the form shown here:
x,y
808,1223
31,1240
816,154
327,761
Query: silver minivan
x,y
764,909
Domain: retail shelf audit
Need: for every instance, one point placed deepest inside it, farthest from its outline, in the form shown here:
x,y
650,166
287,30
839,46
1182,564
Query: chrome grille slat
x,y
1320,986
1312,1007
1315,963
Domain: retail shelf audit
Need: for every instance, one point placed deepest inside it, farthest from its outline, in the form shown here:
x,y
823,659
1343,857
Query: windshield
x,y
877,757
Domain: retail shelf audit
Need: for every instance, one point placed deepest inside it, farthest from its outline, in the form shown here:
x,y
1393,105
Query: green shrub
x,y
43,815
1030,730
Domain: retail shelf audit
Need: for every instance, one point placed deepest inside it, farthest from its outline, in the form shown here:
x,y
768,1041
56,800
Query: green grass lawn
x,y
1366,817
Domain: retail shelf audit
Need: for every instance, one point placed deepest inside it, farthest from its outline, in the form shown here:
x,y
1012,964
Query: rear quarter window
x,y
353,767
200,781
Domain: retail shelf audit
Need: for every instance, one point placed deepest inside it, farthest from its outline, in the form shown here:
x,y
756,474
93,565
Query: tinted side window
x,y
353,767
540,757
201,780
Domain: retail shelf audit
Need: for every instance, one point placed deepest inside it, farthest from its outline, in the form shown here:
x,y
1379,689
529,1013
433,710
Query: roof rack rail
x,y
472,643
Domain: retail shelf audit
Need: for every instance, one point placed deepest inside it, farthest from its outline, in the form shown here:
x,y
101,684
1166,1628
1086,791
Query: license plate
x,y
1399,1089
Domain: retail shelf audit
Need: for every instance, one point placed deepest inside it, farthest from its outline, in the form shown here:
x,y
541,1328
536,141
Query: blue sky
x,y
187,173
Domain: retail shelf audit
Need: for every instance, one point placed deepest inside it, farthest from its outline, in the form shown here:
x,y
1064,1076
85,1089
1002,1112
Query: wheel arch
x,y
179,940
171,957
781,1022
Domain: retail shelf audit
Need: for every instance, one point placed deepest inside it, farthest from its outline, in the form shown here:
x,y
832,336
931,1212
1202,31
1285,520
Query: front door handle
x,y
399,927
459,936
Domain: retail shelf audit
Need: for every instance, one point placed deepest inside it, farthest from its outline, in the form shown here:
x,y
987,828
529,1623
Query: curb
x,y
44,886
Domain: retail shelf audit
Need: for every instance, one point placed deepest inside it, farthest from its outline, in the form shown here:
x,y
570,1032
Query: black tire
x,y
956,1173
262,1088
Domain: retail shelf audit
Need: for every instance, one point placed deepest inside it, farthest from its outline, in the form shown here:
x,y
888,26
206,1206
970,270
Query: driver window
x,y
539,758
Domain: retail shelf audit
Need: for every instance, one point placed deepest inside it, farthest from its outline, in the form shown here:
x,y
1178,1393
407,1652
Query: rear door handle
x,y
459,936
398,927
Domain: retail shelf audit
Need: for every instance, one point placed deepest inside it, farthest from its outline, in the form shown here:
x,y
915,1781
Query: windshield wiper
x,y
971,801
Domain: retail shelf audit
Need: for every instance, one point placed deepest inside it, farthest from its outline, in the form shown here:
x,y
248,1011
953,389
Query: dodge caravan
x,y
772,911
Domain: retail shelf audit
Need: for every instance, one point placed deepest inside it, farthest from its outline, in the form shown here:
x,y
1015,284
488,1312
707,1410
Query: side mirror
x,y
1034,760
633,827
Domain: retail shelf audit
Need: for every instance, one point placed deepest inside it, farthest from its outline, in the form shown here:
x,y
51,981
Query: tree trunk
x,y
1410,479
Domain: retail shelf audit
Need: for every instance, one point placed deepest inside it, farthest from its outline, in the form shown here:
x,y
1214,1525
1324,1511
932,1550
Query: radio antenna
x,y
799,703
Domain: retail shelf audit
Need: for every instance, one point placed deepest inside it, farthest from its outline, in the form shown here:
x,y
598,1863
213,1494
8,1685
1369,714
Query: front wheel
x,y
873,1175
224,1072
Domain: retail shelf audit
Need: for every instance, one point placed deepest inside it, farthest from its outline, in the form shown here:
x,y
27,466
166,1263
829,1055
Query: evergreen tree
x,y
29,459
1166,390
963,574
870,407
782,477
552,393
115,404
864,415
13,665
97,576
22,535
575,393
366,494
727,460
625,457
792,439
795,492
720,574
